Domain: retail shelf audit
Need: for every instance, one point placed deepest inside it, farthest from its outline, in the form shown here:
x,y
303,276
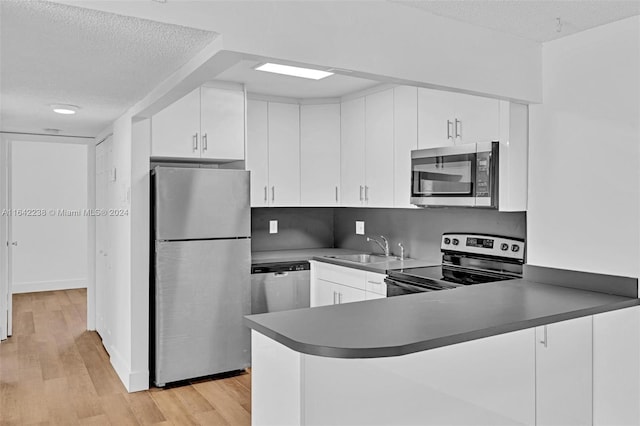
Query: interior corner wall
x,y
584,186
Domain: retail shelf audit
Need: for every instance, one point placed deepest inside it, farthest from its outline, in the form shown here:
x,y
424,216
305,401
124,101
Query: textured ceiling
x,y
293,87
531,19
104,63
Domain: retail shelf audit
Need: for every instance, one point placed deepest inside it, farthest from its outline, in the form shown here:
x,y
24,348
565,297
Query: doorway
x,y
45,222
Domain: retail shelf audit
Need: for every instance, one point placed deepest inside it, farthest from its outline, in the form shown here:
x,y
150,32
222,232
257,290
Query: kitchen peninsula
x,y
491,354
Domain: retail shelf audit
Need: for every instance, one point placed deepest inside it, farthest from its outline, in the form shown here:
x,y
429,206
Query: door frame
x,y
6,141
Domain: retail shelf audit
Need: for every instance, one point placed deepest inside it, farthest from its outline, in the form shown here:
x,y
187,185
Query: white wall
x,y
52,248
584,187
375,37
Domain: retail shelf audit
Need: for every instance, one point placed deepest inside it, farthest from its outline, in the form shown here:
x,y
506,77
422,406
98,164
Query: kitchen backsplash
x,y
420,230
298,228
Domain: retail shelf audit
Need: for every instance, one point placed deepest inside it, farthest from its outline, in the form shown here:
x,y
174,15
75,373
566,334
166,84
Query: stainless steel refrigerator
x,y
201,266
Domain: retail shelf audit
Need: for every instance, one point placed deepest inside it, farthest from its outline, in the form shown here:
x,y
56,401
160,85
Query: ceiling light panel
x,y
294,71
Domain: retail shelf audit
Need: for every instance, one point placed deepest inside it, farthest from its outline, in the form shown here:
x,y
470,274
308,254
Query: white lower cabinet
x,y
333,284
564,373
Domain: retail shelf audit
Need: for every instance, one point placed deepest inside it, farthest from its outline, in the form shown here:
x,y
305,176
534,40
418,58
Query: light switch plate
x,y
273,226
360,227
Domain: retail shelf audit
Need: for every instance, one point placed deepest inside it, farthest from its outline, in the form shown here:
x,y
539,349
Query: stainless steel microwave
x,y
461,175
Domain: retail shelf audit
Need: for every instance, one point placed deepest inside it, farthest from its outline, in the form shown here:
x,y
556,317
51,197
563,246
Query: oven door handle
x,y
407,286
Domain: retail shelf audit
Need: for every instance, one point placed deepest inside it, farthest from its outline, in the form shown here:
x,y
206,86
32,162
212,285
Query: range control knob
x,y
504,246
455,242
447,240
515,248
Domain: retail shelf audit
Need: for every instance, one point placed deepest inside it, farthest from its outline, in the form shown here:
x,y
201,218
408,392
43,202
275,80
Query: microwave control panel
x,y
483,174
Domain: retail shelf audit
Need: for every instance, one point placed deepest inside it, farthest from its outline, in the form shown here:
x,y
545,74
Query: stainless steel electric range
x,y
467,259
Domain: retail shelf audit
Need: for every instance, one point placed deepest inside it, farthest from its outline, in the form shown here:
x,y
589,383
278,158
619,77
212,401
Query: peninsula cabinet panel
x,y
320,155
175,131
284,154
258,152
616,367
564,373
482,382
352,146
379,149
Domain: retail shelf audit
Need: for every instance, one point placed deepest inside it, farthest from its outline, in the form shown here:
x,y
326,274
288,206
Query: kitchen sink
x,y
364,258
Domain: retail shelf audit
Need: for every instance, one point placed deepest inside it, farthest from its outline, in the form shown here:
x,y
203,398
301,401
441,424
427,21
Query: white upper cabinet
x,y
514,157
175,131
284,154
222,123
207,123
405,137
352,153
320,155
258,152
379,149
447,118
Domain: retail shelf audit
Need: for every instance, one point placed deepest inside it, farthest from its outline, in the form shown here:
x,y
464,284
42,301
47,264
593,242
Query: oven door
x,y
396,287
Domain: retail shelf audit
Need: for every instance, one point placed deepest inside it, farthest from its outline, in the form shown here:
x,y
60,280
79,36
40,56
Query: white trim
x,y
36,137
35,286
272,98
370,91
4,279
133,381
320,101
225,85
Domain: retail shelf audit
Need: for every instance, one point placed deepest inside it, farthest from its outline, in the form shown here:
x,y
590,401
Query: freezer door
x,y
201,203
202,292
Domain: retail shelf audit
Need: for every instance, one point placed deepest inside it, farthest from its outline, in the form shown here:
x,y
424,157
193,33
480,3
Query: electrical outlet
x,y
273,226
360,227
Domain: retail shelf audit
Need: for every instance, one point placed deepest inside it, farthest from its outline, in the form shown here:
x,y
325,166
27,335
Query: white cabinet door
x,y
435,118
405,128
222,123
564,373
346,294
478,118
375,284
379,149
284,154
320,154
175,131
323,293
352,145
616,367
258,152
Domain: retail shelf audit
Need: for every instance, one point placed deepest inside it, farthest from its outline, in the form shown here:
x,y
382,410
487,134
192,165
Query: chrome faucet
x,y
384,247
401,251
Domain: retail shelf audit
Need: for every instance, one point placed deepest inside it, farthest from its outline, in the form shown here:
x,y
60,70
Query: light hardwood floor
x,y
54,371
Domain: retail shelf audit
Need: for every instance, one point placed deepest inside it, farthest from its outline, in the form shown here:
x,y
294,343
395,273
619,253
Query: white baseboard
x,y
34,286
133,381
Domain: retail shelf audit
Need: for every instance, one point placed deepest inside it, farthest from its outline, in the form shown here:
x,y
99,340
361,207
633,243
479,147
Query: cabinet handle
x,y
366,193
336,194
374,282
195,142
544,340
339,298
265,193
360,192
334,297
273,193
449,125
458,128
204,142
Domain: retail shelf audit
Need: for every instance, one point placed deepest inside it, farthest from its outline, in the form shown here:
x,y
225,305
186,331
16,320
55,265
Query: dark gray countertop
x,y
417,322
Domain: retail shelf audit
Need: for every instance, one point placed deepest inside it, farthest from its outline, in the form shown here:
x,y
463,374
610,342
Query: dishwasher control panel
x,y
266,268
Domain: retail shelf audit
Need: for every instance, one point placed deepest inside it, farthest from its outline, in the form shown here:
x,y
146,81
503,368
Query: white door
x,y
564,373
352,153
175,131
284,154
258,152
222,123
102,249
379,149
5,293
320,154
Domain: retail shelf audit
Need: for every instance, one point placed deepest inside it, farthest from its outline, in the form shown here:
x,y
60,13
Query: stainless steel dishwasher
x,y
280,286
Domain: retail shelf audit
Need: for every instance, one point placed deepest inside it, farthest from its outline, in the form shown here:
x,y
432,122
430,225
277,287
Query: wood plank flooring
x,y
53,371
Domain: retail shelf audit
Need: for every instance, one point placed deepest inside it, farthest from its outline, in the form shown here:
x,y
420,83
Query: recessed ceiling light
x,y
294,71
64,109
